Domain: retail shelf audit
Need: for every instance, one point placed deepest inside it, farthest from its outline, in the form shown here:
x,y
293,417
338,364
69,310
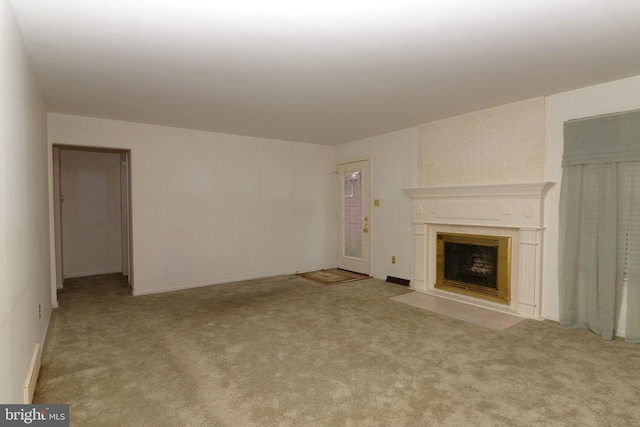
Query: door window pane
x,y
352,214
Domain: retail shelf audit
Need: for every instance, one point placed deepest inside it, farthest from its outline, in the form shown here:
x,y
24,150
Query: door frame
x,y
365,266
126,217
125,212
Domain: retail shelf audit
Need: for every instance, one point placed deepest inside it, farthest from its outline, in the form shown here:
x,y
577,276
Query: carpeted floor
x,y
288,352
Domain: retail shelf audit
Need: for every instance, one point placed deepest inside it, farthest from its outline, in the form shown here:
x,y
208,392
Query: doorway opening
x,y
92,212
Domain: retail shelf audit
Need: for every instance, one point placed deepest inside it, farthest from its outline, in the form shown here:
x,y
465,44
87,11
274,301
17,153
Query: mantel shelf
x,y
522,190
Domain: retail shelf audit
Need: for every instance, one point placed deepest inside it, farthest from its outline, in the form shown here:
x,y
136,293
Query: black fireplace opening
x,y
472,264
475,265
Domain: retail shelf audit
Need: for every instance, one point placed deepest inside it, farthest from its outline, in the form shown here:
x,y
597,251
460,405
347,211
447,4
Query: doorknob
x,y
366,228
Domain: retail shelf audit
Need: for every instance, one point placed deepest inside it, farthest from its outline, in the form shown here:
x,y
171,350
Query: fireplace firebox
x,y
474,265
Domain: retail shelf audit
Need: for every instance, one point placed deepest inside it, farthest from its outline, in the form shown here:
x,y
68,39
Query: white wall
x,y
24,221
620,95
91,232
394,166
211,208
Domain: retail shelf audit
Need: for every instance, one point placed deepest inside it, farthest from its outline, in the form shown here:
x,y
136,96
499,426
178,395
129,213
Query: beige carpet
x,y
285,351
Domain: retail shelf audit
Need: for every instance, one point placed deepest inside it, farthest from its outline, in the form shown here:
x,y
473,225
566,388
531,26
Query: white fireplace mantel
x,y
502,209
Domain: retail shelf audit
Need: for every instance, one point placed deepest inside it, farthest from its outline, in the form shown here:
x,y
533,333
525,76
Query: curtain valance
x,y
603,139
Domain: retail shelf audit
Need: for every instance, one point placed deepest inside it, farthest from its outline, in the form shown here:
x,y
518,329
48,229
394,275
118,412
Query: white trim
x,y
221,282
90,273
52,233
353,160
31,376
520,190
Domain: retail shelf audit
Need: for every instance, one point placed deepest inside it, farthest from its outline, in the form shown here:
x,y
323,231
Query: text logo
x,y
34,415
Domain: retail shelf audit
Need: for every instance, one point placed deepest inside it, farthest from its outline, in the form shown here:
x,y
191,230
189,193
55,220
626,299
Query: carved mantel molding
x,y
499,205
526,190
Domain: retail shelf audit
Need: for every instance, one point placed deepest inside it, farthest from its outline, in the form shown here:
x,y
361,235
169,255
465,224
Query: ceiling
x,y
323,72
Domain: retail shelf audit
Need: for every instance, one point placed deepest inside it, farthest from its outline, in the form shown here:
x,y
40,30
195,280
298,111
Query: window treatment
x,y
599,251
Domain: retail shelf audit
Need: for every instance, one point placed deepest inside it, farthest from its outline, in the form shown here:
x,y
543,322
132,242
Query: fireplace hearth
x,y
476,265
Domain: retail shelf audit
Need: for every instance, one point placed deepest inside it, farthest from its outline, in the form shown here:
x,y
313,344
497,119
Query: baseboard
x,y
309,270
221,282
31,378
202,285
92,273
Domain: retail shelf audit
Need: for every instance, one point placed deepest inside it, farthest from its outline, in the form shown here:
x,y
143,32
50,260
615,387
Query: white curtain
x,y
599,253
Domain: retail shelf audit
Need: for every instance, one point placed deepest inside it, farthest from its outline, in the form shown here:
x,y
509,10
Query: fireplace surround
x,y
511,211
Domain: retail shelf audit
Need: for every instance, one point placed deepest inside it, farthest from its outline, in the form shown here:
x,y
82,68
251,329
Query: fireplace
x,y
475,265
509,216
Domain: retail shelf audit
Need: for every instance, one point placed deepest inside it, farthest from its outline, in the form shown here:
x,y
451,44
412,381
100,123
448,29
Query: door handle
x,y
366,228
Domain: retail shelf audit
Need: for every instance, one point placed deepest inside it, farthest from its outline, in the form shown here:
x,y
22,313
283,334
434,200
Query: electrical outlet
x,y
39,311
393,260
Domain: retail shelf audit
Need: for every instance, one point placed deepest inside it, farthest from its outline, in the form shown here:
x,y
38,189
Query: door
x,y
354,217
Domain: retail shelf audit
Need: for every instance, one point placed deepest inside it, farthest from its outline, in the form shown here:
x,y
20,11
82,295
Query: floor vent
x,y
32,376
398,280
